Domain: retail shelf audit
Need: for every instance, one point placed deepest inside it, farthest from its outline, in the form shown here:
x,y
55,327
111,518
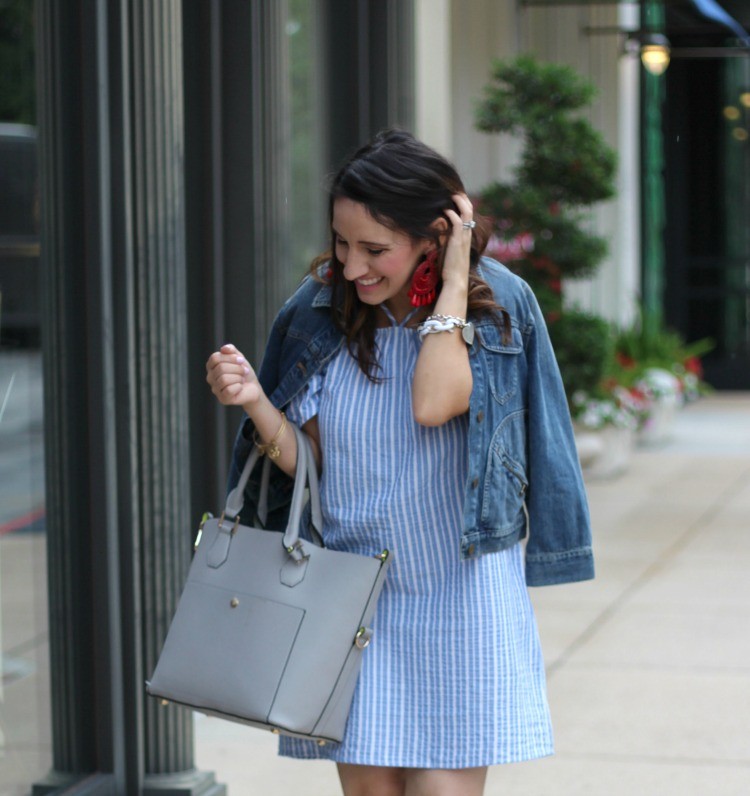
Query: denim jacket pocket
x,y
502,359
505,481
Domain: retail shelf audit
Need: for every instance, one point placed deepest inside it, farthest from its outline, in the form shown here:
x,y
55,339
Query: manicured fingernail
x,y
240,360
246,371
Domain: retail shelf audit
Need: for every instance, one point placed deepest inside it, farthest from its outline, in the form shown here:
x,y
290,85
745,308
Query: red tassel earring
x,y
424,281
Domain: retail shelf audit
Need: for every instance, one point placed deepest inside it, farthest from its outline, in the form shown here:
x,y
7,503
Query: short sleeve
x,y
305,405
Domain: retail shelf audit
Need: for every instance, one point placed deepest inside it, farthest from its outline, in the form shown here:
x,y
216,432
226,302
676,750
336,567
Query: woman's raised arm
x,y
442,383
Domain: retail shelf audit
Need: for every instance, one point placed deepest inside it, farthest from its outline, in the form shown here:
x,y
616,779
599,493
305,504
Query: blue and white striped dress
x,y
454,677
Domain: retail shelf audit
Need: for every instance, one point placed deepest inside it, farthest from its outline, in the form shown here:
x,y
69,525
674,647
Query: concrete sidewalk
x,y
648,665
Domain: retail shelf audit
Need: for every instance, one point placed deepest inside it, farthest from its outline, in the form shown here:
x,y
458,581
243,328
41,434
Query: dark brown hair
x,y
405,186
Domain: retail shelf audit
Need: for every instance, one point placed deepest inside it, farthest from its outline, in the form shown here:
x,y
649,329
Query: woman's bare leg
x,y
371,780
445,782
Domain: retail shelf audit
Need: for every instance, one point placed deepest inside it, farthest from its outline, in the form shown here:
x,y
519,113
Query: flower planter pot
x,y
662,389
659,426
605,452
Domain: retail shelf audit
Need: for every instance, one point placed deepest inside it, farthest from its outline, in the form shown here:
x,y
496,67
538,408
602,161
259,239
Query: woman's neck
x,y
388,314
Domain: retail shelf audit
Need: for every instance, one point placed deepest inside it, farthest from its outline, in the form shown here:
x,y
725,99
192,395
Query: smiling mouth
x,y
369,282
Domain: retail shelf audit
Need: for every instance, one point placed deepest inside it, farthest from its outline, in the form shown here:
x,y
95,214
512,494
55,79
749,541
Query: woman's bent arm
x,y
234,383
442,383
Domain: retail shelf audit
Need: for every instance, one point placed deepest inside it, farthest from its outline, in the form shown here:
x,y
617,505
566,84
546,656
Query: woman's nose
x,y
355,266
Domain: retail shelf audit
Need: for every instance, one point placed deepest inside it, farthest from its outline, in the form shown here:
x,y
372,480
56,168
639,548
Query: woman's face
x,y
378,260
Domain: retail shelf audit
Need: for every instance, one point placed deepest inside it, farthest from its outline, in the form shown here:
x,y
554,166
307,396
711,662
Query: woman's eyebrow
x,y
363,242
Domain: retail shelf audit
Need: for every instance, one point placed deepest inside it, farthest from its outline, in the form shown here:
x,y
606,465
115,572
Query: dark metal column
x,y
115,336
370,65
66,429
156,446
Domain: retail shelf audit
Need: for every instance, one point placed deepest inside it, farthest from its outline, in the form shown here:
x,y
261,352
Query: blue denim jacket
x,y
523,467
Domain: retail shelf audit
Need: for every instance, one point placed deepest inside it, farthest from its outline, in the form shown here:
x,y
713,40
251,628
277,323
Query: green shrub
x,y
583,347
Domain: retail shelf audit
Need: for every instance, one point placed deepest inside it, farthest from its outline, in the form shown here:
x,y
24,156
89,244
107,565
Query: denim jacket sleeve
x,y
559,545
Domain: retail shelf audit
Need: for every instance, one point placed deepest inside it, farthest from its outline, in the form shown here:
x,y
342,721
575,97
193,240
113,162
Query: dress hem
x,y
319,754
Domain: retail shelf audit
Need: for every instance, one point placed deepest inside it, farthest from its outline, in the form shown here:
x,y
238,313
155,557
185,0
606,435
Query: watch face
x,y
468,333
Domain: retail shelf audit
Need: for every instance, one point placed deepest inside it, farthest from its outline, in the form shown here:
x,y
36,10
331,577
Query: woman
x,y
424,377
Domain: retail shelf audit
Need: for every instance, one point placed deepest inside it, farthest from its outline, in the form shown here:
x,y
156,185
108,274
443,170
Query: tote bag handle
x,y
306,476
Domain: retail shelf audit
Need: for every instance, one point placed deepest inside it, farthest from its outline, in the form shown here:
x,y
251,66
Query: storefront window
x,y
25,738
307,202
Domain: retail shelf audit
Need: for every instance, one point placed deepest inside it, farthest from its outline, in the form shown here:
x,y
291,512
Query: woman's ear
x,y
440,225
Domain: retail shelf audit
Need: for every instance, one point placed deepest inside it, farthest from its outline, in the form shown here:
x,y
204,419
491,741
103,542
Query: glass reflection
x,y
25,737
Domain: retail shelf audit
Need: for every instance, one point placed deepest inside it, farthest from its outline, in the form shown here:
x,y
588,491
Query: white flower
x,y
594,414
659,383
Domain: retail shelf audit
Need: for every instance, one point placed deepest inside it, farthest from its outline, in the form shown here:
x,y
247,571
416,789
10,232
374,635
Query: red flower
x,y
625,361
694,365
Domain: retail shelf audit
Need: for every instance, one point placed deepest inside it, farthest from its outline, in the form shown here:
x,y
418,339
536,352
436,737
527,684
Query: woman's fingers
x,y
229,359
465,212
233,388
462,225
463,203
224,379
458,251
230,376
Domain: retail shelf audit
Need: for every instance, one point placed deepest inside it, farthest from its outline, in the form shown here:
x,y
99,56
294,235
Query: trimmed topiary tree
x,y
564,168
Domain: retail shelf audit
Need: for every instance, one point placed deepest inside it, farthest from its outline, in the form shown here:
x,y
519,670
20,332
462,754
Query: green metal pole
x,y
653,204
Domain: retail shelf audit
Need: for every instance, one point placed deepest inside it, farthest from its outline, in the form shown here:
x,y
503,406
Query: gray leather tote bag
x,y
270,629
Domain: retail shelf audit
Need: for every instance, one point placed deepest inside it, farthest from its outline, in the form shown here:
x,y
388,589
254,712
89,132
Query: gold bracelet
x,y
272,446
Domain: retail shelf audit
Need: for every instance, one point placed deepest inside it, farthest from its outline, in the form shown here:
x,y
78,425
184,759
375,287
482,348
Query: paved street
x,y
649,665
24,670
21,450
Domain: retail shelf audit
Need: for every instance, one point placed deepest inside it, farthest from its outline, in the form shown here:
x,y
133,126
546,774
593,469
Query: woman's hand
x,y
231,378
458,246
